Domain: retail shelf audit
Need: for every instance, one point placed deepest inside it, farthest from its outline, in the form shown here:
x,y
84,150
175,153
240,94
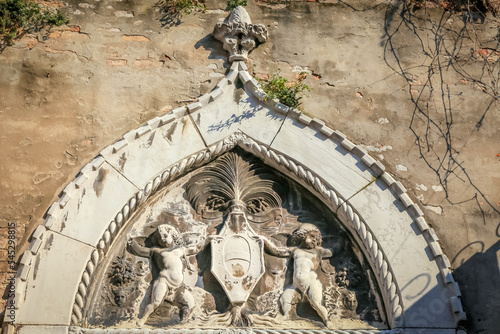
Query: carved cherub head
x,y
350,301
167,236
120,297
307,236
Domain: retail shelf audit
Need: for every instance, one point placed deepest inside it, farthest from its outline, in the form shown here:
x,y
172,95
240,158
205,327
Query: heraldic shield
x,y
238,264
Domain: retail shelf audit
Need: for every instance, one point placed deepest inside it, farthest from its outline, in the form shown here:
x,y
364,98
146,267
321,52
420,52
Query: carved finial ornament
x,y
239,35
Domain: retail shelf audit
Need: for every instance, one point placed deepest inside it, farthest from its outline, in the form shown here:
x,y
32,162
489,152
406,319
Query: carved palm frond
x,y
232,178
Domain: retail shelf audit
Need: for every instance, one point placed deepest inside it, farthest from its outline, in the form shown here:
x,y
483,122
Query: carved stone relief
x,y
238,35
236,244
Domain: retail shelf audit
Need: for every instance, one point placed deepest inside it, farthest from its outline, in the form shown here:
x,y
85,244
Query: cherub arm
x,y
272,249
197,248
139,250
326,253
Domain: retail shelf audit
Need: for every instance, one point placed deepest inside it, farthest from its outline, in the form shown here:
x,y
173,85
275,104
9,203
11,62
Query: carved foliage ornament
x,y
238,35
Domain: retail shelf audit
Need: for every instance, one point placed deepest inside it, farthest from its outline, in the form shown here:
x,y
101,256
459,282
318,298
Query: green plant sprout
x,y
232,4
183,6
18,17
287,92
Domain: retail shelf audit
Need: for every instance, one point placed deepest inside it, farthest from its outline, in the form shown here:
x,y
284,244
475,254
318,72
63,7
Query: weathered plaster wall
x,y
67,94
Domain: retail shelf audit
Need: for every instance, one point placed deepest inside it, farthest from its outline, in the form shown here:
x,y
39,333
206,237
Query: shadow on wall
x,y
479,279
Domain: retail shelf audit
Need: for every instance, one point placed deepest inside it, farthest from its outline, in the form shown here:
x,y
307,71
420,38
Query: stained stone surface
x,y
159,147
53,281
344,172
100,196
43,330
401,239
236,109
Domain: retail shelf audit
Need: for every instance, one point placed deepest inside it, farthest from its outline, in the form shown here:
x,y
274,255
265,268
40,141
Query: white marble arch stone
x,y
86,204
54,272
52,282
43,330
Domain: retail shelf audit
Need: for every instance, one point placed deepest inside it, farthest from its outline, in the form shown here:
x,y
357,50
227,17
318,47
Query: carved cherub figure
x,y
307,254
169,257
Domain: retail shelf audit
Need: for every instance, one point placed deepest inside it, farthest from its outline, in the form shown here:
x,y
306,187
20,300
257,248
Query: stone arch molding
x,y
418,290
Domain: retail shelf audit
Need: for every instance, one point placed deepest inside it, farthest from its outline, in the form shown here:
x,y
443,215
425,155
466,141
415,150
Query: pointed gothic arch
x,y
413,275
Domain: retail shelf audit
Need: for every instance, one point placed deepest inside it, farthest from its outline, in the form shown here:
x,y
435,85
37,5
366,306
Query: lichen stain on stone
x,y
185,125
81,199
169,133
63,224
149,142
49,242
99,181
121,162
35,267
238,92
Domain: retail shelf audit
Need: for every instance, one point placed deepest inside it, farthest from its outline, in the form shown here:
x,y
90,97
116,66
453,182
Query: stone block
x,y
447,276
406,200
38,232
223,83
204,100
435,248
245,76
304,119
194,106
148,156
317,124
180,112
341,170
338,136
398,188
235,66
367,160
295,113
418,276
359,151
388,179
281,108
226,116
422,224
216,93
93,205
154,123
232,76
43,330
415,211
53,280
242,66
347,144
378,168
326,131
167,119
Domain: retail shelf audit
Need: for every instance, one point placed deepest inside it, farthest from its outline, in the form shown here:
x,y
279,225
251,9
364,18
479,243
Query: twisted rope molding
x,y
78,330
